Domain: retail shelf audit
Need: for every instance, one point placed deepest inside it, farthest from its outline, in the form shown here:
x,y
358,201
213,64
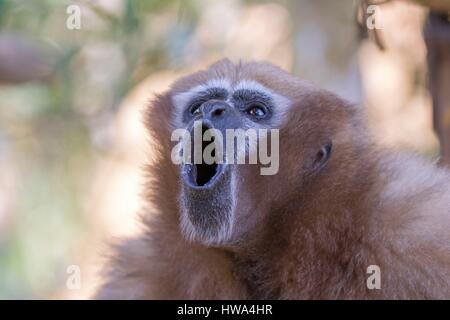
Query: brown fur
x,y
303,236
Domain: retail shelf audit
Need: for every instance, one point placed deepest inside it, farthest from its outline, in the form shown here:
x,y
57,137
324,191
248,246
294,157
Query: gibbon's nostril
x,y
215,110
218,112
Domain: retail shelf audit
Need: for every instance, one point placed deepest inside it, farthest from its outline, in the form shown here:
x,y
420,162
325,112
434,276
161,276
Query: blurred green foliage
x,y
49,129
54,131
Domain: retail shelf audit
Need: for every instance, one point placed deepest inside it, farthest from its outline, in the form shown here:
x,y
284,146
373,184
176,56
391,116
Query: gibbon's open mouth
x,y
202,175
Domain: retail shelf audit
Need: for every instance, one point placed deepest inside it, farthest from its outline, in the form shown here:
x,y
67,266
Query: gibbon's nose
x,y
214,110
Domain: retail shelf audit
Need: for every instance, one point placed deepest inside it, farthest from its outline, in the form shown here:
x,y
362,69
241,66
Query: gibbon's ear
x,y
322,156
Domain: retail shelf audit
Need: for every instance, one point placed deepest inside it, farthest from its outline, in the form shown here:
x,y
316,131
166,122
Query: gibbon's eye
x,y
194,109
257,111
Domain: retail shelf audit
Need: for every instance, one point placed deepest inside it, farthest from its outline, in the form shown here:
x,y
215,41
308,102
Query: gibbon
x,y
337,206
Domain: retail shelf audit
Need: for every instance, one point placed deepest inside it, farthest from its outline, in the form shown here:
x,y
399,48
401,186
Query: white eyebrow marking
x,y
251,85
281,103
181,100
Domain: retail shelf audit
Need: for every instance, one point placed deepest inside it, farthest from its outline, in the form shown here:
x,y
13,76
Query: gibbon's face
x,y
224,203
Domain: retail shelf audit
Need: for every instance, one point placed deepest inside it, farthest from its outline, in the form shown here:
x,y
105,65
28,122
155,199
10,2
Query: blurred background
x,y
72,144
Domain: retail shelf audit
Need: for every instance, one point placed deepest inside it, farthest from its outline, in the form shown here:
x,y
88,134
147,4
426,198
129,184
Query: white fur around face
x,y
181,100
208,237
281,103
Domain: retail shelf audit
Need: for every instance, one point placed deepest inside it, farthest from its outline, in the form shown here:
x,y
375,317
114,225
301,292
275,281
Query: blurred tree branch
x,y
437,39
442,6
21,60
